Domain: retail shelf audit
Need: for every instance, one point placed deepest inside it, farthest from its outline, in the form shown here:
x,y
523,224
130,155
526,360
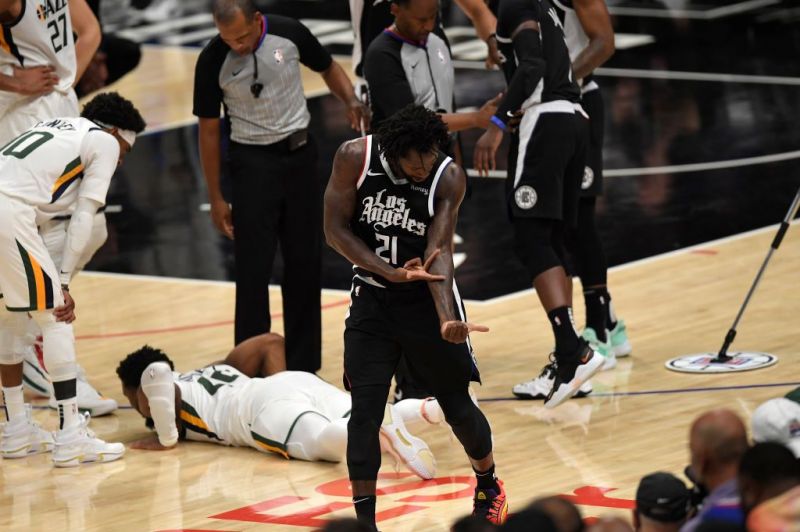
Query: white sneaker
x,y
78,445
89,399
34,377
23,437
539,387
589,364
413,452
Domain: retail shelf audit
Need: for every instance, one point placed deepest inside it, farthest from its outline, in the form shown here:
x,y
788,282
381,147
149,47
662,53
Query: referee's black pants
x,y
276,199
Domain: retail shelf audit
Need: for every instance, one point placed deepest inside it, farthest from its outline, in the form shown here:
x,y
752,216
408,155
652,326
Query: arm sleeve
x,y
312,54
78,234
389,90
207,92
530,69
100,156
159,387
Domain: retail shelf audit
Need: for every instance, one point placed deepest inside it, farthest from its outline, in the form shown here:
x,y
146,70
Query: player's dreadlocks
x,y
130,370
411,128
112,109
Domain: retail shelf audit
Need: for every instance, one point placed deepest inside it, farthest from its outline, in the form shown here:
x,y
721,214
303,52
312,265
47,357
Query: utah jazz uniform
x,y
219,404
45,170
393,216
592,102
41,35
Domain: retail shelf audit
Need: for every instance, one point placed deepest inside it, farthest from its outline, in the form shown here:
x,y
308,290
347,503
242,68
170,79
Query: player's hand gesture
x,y
35,81
456,332
65,312
485,152
488,110
222,217
416,270
494,57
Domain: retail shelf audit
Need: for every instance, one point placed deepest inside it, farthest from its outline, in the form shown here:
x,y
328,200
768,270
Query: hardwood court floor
x,y
675,304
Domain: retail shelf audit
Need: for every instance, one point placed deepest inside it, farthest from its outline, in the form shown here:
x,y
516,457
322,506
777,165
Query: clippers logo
x,y
383,211
526,197
278,54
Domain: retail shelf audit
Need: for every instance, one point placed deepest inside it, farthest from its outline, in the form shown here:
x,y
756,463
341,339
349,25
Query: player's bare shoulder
x,y
452,183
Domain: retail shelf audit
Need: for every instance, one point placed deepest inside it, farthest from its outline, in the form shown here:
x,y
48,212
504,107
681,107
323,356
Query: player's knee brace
x,y
468,423
363,445
58,346
12,332
534,244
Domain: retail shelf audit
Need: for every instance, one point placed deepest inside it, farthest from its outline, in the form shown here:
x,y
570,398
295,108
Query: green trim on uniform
x,y
33,385
291,429
267,441
26,261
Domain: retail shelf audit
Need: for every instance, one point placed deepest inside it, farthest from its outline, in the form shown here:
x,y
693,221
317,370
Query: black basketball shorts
x,y
383,324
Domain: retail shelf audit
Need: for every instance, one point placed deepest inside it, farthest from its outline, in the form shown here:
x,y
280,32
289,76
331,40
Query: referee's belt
x,y
295,141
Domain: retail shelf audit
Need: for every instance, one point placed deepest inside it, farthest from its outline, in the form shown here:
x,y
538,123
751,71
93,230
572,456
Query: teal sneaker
x,y
618,337
603,348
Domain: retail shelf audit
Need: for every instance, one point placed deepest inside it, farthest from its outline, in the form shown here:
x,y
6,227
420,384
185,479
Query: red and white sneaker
x,y
491,505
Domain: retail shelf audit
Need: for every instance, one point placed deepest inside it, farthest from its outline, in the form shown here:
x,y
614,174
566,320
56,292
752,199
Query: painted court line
x,y
666,391
191,327
646,260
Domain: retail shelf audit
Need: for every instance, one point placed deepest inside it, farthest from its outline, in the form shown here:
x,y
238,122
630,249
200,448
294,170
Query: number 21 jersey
x,y
392,214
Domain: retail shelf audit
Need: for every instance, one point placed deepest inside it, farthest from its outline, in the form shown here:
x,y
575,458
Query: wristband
x,y
499,123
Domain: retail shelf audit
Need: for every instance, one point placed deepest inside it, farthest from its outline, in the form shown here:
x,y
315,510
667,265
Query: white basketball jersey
x,y
213,407
56,161
41,35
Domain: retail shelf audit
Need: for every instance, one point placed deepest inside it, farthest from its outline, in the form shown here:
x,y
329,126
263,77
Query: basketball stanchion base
x,y
709,363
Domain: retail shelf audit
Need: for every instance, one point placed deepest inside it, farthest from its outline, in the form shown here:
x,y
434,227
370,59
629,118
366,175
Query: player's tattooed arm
x,y
340,204
448,198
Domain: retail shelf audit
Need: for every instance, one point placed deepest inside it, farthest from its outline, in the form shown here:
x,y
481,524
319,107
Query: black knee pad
x,y
363,445
468,423
534,244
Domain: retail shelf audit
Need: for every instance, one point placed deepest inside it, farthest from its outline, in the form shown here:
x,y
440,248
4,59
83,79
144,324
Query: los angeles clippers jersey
x,y
56,161
557,82
393,214
41,35
213,407
574,35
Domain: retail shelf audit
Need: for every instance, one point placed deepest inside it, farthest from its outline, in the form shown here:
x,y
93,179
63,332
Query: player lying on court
x,y
250,400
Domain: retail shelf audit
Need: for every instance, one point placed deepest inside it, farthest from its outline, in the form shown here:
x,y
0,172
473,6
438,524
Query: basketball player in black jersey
x,y
391,208
545,174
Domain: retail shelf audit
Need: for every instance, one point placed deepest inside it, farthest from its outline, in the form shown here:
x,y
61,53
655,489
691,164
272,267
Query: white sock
x,y
15,403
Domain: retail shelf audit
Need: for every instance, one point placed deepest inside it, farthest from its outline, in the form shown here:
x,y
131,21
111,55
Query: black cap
x,y
662,497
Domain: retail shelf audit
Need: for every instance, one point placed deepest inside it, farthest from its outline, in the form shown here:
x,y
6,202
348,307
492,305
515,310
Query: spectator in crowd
x,y
717,441
662,503
529,519
564,514
769,484
778,420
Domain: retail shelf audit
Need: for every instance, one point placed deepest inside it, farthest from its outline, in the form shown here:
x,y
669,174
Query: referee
x,y
252,69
